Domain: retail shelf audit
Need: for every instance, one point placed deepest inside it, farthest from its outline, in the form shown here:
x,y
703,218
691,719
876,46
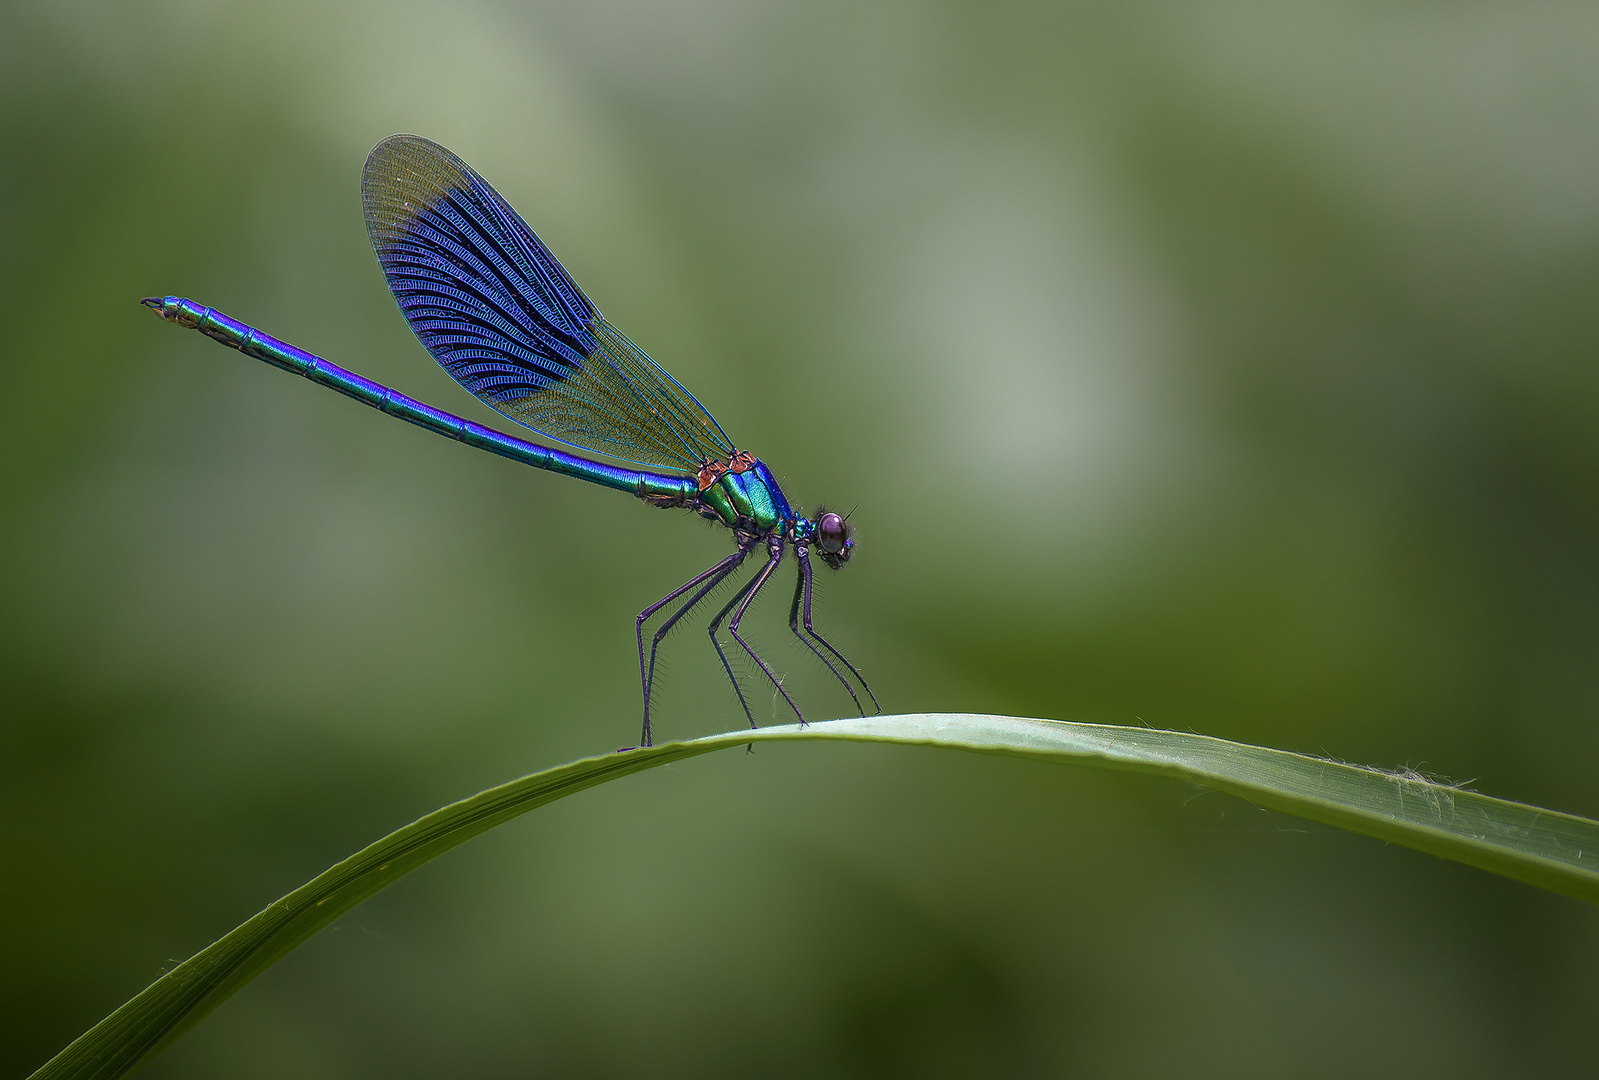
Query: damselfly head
x,y
833,541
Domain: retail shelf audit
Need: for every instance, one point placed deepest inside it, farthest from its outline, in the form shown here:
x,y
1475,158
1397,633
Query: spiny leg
x,y
801,579
805,572
722,567
723,570
762,576
665,628
717,645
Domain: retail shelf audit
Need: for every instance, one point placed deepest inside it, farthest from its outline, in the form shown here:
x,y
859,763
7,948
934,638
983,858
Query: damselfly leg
x,y
708,581
804,584
743,591
762,576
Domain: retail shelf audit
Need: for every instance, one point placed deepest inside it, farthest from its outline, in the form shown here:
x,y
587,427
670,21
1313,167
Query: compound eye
x,y
830,534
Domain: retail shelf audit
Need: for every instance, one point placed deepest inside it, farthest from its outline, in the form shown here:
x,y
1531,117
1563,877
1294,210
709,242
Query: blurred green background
x,y
1225,367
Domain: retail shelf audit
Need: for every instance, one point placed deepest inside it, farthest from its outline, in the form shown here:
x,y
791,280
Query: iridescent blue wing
x,y
492,305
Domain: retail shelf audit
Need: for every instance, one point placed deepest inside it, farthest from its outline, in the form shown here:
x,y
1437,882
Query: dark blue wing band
x,y
502,316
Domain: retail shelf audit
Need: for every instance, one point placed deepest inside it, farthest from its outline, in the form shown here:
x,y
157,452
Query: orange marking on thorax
x,y
743,461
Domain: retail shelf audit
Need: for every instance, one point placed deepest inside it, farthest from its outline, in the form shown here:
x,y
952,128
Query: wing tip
x,y
404,173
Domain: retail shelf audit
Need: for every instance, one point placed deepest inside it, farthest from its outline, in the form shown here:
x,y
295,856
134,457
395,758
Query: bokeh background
x,y
1227,367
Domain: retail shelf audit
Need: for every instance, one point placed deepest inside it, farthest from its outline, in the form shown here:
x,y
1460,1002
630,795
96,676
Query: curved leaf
x,y
1551,850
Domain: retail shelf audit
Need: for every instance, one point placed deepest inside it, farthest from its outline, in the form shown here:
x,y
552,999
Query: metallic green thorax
x,y
743,495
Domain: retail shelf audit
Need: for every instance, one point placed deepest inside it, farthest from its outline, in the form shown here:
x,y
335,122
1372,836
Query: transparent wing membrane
x,y
501,315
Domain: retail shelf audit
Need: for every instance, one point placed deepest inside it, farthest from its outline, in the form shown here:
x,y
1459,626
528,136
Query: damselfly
x,y
489,301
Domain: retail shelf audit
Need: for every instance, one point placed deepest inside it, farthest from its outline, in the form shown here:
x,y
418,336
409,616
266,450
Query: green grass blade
x,y
1551,850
